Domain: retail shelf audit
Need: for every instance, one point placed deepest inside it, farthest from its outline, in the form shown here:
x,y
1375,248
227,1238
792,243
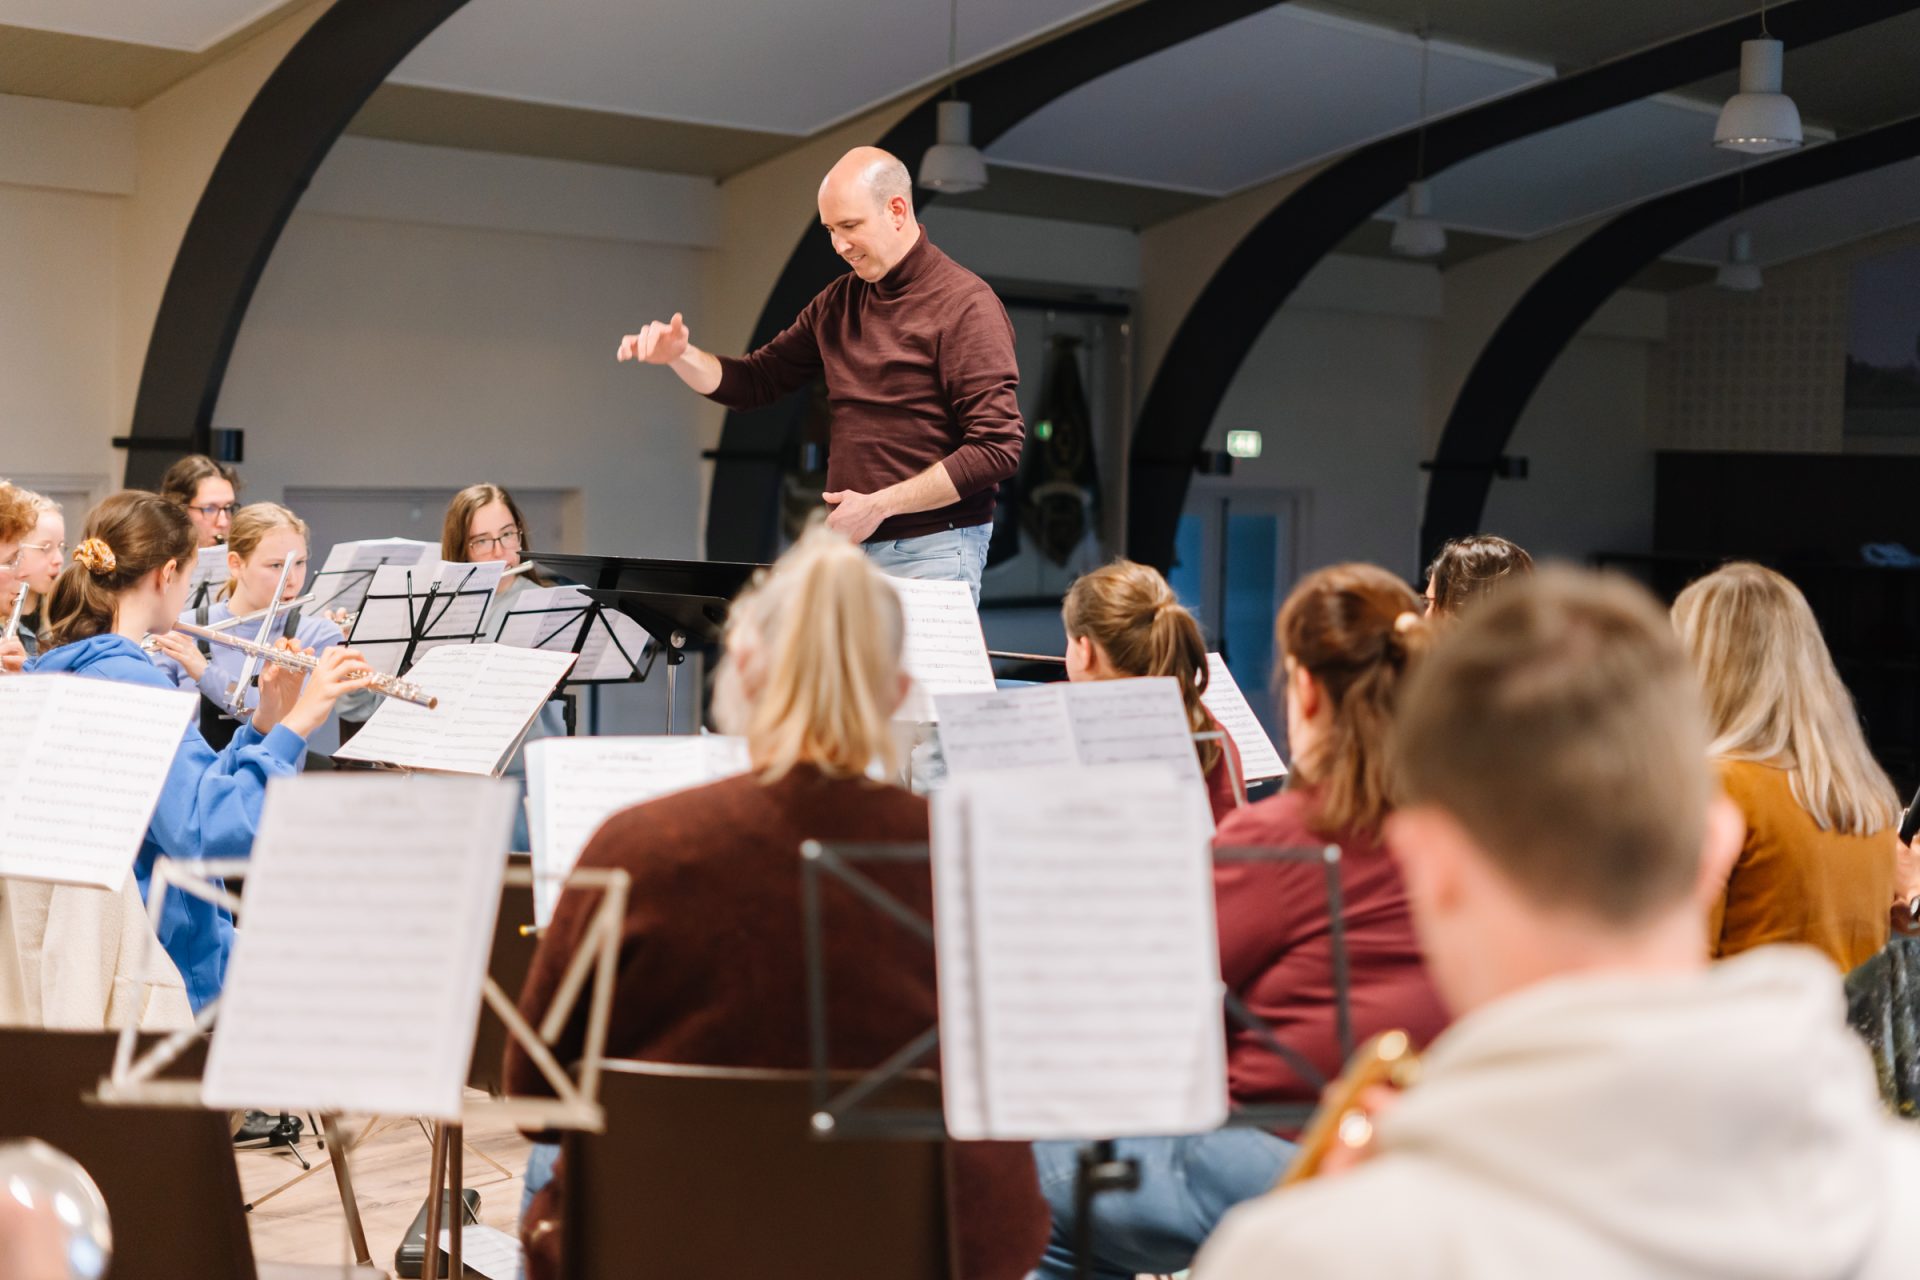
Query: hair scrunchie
x,y
96,557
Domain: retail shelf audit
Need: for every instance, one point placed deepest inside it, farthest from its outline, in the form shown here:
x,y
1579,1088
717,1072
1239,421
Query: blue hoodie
x,y
209,807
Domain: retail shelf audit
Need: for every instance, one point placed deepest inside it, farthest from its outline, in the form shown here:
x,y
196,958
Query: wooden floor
x,y
304,1223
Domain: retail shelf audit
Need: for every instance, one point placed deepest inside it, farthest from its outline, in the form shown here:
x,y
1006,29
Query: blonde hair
x,y
1355,628
251,524
1774,697
1559,724
818,640
1132,614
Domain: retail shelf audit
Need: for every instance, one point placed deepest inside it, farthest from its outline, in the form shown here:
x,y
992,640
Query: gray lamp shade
x,y
953,165
1739,273
1759,119
1417,235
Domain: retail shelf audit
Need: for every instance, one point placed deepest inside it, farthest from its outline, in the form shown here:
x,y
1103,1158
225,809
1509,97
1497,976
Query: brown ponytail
x,y
127,536
1132,614
1355,628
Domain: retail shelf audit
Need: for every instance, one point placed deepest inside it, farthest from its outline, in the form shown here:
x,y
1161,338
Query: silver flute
x,y
13,619
392,686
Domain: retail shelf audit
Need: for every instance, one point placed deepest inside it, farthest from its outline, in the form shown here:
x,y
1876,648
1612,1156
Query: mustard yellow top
x,y
1794,882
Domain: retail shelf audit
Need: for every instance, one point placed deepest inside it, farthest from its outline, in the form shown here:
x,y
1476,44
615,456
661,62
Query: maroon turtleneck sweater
x,y
919,368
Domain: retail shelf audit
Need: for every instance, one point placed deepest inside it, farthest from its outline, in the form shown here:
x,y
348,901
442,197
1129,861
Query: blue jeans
x,y
1187,1184
950,555
539,1173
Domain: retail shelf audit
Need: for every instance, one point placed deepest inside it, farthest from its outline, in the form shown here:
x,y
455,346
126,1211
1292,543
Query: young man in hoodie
x,y
1608,1103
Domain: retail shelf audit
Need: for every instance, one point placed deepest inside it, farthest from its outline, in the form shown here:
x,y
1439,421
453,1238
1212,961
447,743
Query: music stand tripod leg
x,y
456,1146
349,1203
1096,1169
436,1180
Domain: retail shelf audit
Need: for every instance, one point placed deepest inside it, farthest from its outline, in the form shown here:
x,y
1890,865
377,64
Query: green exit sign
x,y
1243,444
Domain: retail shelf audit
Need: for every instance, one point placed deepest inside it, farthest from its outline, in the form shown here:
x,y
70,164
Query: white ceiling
x,y
191,25
1823,218
1285,87
784,67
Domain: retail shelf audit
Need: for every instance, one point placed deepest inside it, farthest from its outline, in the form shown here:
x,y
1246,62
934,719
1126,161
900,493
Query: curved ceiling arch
x,y
1244,292
284,134
1524,347
742,512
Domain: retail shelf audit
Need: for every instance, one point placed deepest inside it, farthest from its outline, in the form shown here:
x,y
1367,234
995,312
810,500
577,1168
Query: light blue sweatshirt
x,y
209,807
314,632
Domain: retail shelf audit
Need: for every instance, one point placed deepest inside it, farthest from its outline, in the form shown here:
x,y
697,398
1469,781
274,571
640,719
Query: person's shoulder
x,y
1328,1227
1278,820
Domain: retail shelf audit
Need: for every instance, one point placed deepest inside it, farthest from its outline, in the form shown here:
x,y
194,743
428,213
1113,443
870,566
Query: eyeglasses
x,y
58,550
213,511
507,541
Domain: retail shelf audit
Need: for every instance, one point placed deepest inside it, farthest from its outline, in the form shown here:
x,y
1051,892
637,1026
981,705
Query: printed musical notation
x,y
82,763
945,650
489,695
1229,706
1079,972
575,784
355,981
1099,722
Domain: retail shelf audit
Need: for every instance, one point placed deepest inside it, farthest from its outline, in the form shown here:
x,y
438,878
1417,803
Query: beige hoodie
x,y
1717,1123
75,958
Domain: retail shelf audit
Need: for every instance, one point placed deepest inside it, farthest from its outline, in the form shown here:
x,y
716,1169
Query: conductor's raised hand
x,y
656,343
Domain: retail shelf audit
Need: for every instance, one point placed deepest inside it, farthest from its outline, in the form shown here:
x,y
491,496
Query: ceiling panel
x,y
1569,36
1823,218
744,64
189,25
1583,169
1250,101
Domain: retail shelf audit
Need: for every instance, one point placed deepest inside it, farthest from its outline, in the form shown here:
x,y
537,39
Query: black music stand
x,y
568,628
682,604
426,614
839,1111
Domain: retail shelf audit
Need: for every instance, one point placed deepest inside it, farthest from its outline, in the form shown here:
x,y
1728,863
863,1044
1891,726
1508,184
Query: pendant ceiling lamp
x,y
1739,273
1415,233
1760,119
953,165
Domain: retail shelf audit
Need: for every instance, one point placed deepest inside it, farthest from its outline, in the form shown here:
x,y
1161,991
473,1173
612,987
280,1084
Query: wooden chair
x,y
712,1172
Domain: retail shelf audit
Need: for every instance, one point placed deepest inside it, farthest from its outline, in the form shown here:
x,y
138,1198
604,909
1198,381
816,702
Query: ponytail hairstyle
x,y
1355,628
251,524
1470,569
1132,614
812,672
182,481
127,536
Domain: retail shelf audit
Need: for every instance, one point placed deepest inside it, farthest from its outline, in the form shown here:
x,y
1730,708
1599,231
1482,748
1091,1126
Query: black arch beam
x,y
1549,314
1264,268
742,513
280,141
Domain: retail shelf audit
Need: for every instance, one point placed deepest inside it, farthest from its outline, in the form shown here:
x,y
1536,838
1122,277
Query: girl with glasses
x,y
206,489
41,556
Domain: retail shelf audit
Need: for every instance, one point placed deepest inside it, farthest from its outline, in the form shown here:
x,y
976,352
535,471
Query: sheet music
x,y
575,784
489,694
488,1250
1258,756
1095,722
1091,957
82,763
945,651
343,580
356,974
550,618
443,601
209,573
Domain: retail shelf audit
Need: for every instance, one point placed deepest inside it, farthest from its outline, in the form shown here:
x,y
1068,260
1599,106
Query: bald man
x,y
917,353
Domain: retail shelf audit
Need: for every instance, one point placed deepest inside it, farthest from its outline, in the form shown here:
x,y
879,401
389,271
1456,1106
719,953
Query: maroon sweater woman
x,y
711,959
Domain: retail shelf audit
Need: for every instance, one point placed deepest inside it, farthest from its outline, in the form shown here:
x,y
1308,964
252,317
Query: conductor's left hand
x,y
855,515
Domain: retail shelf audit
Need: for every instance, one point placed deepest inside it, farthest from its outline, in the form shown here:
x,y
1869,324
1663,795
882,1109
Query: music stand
x,y
682,604
841,1113
424,620
551,626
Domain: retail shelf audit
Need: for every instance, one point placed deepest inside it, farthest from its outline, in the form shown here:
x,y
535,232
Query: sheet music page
x,y
343,580
1133,720
356,974
1229,706
1096,961
961,1073
1006,729
81,766
443,600
209,568
550,618
575,784
489,694
945,651
488,1250
601,658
